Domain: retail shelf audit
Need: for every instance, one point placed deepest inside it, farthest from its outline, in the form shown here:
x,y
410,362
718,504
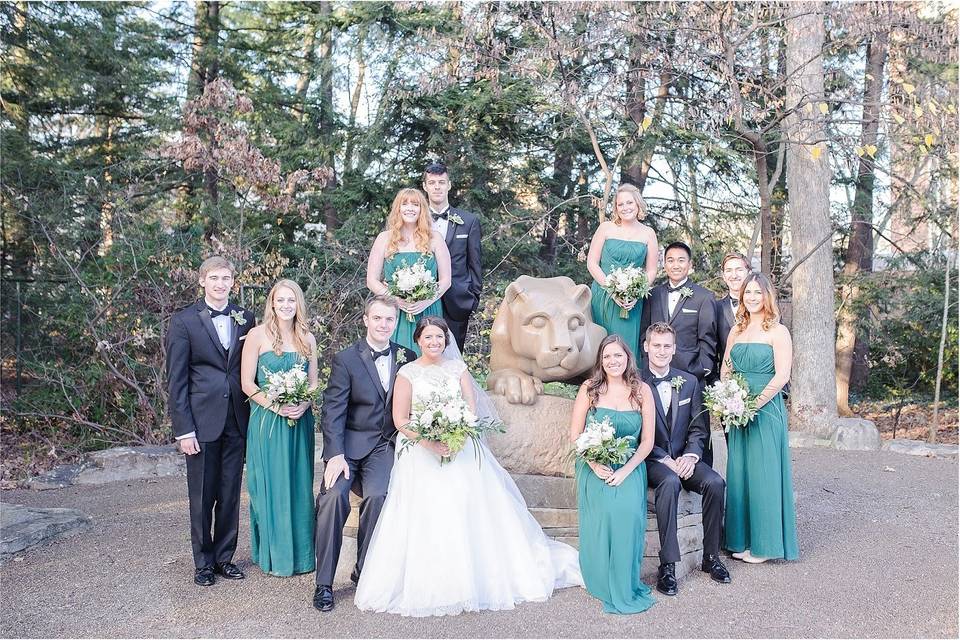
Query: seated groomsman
x,y
675,463
688,308
734,269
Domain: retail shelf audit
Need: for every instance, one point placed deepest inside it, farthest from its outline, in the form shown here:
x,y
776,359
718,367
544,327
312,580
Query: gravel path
x,y
878,543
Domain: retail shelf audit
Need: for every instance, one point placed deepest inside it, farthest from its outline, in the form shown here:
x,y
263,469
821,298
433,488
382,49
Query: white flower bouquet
x,y
413,283
288,387
730,401
628,284
598,443
446,417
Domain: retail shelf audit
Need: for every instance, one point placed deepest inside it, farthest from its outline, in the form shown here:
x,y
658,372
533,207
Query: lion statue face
x,y
543,329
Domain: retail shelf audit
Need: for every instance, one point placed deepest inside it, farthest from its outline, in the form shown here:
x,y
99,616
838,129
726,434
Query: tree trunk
x,y
560,189
859,259
935,423
330,218
637,158
205,67
813,393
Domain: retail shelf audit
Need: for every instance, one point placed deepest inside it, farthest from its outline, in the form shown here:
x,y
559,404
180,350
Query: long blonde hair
x,y
770,310
641,203
424,231
271,323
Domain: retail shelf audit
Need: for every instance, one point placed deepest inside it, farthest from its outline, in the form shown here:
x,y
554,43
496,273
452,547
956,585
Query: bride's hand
x,y
417,308
603,471
438,448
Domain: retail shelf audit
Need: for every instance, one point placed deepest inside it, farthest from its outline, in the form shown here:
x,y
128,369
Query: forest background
x,y
140,137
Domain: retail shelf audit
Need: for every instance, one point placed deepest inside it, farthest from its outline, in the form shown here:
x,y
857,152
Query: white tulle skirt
x,y
457,538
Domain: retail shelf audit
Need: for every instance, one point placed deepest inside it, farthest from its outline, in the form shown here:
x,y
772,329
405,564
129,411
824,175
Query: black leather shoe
x,y
713,566
229,571
323,598
355,577
667,580
204,577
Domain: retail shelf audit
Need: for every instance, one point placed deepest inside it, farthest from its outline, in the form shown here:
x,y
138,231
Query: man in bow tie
x,y
675,461
209,413
688,308
358,440
461,229
734,269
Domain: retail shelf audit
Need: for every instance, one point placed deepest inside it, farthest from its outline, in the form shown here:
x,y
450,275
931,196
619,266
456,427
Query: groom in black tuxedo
x,y
675,461
358,439
209,413
461,229
734,269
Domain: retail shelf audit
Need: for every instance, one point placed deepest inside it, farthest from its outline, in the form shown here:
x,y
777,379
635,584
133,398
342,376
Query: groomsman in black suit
x,y
462,232
358,440
734,269
675,461
209,413
688,308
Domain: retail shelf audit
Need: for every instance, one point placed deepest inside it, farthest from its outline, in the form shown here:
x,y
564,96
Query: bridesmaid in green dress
x,y
622,242
409,238
761,522
612,501
280,455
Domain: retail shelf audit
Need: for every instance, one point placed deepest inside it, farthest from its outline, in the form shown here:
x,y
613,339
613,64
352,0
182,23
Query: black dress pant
x,y
214,479
369,477
458,328
666,488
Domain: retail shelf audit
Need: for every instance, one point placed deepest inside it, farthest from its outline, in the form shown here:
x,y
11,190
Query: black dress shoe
x,y
323,598
204,577
355,577
229,571
713,566
667,580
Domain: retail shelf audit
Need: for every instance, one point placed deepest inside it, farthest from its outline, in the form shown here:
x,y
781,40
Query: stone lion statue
x,y
543,332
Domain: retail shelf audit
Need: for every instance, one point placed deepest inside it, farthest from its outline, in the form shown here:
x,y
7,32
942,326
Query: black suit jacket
x,y
692,319
204,378
357,413
724,319
686,430
463,241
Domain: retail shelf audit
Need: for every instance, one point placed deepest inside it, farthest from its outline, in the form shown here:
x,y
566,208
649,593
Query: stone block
x,y
718,443
804,439
547,491
537,438
24,527
132,463
920,448
855,434
58,477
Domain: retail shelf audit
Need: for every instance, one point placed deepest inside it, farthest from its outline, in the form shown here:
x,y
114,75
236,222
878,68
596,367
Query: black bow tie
x,y
445,215
675,289
379,354
214,313
735,303
655,381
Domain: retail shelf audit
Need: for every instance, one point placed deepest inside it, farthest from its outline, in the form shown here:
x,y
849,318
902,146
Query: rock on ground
x,y
24,527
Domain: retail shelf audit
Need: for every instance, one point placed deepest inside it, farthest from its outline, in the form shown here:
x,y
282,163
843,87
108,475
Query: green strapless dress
x,y
613,526
403,334
760,512
606,312
280,482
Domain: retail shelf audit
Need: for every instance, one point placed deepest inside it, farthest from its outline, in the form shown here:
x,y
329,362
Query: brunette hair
x,y
435,169
424,231
734,255
597,382
381,298
771,311
659,327
432,321
678,245
300,330
641,203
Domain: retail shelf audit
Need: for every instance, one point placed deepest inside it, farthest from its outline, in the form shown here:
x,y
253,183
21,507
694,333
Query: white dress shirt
x,y
382,364
440,225
673,297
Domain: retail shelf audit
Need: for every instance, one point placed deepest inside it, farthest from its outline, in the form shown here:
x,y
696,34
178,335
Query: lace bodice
x,y
425,380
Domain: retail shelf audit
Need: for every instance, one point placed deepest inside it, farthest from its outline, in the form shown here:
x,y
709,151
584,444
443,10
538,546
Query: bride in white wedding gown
x,y
456,537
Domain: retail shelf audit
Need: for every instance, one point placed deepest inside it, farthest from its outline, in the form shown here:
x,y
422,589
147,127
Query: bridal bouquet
x,y
413,283
598,443
288,387
628,284
730,401
446,417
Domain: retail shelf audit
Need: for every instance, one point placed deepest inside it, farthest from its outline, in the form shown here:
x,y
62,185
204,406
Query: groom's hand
x,y
335,466
685,466
189,446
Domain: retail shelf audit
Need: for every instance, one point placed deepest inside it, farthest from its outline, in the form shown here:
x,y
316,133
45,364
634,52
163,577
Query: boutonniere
x,y
677,382
401,357
686,292
238,317
453,217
